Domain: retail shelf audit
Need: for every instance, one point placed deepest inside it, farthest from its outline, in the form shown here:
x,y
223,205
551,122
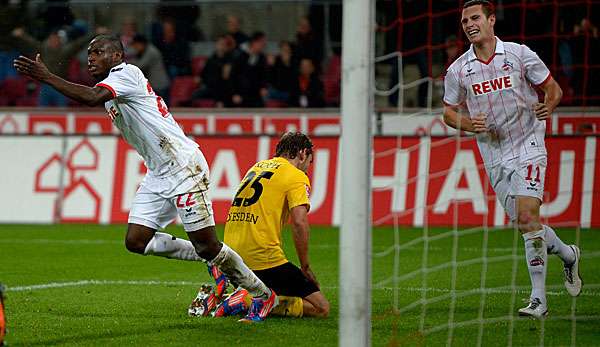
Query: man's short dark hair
x,y
291,143
257,35
139,38
487,7
112,40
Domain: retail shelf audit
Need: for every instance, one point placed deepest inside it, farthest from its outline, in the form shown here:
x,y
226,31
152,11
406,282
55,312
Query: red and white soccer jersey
x,y
513,151
177,179
502,89
145,122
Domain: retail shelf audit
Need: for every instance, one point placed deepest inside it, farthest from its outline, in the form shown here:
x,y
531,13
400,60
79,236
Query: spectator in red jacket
x,y
309,90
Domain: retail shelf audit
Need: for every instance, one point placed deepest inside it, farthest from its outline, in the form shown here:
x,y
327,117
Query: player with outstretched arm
x,y
177,181
496,80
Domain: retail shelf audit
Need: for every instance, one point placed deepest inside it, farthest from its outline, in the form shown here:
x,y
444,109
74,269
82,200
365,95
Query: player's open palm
x,y
35,69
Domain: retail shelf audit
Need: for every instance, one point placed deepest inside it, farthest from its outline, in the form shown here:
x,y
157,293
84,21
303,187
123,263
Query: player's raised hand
x,y
35,69
541,111
478,123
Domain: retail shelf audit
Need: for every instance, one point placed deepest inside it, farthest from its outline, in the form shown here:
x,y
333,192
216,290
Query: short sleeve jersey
x,y
261,208
502,88
145,122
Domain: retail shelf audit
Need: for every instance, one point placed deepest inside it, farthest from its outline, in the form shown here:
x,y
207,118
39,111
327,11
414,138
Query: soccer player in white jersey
x,y
177,179
495,79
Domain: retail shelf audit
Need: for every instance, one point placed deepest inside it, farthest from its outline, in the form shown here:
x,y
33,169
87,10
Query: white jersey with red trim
x,y
145,122
502,89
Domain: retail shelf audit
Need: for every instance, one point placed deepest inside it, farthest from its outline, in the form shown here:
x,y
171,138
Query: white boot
x,y
534,309
573,281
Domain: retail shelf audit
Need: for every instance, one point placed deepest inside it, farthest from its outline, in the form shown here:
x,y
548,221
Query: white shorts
x,y
518,178
159,200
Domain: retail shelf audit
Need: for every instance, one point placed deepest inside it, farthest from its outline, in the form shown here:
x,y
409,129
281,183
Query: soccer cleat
x,y
208,297
260,308
204,302
573,281
534,309
233,304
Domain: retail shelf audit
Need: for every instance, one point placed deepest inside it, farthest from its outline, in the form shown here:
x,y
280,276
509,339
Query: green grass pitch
x,y
93,292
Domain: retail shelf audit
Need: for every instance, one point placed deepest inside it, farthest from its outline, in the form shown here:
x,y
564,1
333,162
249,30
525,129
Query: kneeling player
x,y
271,192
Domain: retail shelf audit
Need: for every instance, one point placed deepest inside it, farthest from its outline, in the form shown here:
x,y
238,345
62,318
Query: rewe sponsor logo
x,y
492,85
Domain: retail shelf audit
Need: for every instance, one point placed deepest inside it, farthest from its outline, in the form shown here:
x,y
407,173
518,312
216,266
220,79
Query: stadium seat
x,y
332,80
182,88
204,103
271,103
333,67
198,63
74,71
332,90
14,88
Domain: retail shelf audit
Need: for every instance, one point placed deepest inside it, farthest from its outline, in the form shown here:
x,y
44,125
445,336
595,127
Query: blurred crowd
x,y
250,69
239,72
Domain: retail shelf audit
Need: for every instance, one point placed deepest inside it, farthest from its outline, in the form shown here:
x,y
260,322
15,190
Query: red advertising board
x,y
416,180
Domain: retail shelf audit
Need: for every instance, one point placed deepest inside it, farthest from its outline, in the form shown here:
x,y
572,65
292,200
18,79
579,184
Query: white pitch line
x,y
97,282
82,283
585,292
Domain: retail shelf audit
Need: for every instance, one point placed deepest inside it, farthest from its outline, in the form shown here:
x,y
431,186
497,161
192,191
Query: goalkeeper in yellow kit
x,y
272,192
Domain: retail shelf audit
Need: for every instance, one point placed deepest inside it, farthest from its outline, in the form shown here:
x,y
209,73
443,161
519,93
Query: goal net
x,y
448,268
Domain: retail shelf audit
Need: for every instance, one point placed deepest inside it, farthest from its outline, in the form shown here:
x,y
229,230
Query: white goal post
x,y
355,165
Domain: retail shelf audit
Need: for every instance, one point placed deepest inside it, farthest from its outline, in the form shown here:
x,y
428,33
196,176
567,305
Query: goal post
x,y
355,232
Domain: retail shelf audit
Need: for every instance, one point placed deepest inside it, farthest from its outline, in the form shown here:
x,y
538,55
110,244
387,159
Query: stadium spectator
x,y
586,41
234,29
184,14
56,15
56,55
149,59
308,90
451,52
215,82
175,50
249,74
308,44
416,45
11,16
128,32
283,73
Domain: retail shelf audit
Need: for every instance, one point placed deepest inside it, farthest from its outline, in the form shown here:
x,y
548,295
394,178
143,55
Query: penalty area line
x,y
82,283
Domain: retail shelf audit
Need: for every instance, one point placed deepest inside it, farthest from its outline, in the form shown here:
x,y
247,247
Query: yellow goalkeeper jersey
x,y
260,208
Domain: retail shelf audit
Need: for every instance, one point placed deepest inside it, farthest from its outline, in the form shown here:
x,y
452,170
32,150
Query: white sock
x,y
556,246
165,245
536,255
232,265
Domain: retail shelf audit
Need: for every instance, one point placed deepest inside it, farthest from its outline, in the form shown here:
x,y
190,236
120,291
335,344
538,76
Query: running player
x,y
495,79
177,181
272,191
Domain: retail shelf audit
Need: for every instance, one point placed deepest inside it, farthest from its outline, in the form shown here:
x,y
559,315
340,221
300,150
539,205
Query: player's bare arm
x,y
37,70
553,94
460,122
301,233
